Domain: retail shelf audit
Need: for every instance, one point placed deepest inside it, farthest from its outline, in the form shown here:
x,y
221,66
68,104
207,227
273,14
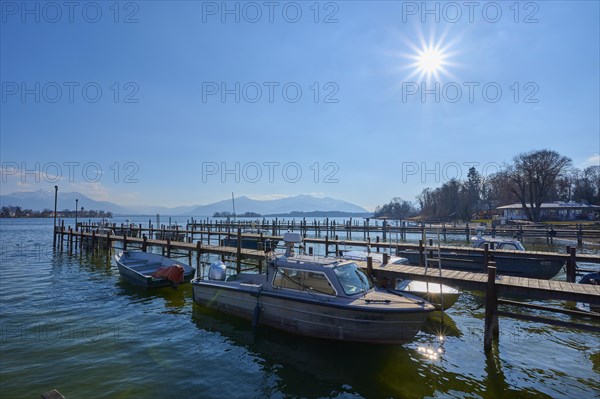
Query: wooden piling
x,y
370,266
238,255
491,327
198,253
486,254
70,238
108,244
337,247
571,264
94,242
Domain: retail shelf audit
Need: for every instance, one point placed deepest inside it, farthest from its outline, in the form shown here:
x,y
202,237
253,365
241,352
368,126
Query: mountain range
x,y
41,199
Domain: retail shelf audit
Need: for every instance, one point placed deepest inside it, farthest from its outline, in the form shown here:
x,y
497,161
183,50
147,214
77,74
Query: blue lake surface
x,y
69,322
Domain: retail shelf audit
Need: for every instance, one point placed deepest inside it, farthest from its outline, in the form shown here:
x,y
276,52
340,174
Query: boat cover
x,y
173,273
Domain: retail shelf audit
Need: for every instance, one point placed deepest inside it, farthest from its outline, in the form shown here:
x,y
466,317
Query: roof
x,y
555,205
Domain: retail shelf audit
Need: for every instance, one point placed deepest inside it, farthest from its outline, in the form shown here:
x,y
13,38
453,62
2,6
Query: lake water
x,y
69,322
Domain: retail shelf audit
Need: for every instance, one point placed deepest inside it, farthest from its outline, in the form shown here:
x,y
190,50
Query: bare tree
x,y
533,175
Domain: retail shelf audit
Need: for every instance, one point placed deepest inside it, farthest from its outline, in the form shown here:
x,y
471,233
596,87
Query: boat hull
x,y
505,265
314,318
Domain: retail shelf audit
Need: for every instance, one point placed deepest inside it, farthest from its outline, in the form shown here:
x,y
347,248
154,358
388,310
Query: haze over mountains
x,y
41,199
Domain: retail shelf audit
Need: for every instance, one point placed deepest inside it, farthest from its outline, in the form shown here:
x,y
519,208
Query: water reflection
x,y
310,367
175,299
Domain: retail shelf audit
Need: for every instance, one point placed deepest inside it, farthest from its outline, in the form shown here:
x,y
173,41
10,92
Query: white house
x,y
553,211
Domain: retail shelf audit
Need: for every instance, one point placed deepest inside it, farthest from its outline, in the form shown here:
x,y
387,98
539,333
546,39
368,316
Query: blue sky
x,y
180,103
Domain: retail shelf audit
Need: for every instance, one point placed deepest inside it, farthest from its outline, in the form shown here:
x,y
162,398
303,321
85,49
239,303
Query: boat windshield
x,y
352,279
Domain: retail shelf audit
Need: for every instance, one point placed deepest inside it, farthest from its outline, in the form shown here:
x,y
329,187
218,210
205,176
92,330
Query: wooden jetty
x,y
487,281
382,230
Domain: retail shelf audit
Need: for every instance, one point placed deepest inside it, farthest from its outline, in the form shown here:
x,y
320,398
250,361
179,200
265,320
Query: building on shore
x,y
553,211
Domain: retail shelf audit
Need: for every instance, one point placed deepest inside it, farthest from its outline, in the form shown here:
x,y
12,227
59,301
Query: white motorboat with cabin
x,y
318,297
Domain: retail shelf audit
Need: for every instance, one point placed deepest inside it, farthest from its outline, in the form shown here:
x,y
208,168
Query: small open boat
x,y
439,295
150,270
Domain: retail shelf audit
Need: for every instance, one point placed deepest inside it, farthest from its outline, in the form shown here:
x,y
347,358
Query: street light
x,y
76,208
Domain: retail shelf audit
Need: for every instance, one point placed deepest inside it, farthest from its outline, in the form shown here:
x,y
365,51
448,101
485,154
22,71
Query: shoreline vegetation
x,y
533,178
16,212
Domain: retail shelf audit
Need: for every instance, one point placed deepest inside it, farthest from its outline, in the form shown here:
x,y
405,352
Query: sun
x,y
430,60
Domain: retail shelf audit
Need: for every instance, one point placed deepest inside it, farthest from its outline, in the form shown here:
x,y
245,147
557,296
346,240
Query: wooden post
x,y
431,250
168,247
62,234
384,228
486,255
421,254
326,245
491,329
385,258
94,241
580,235
370,266
108,244
468,232
377,243
571,265
144,243
70,241
337,248
124,242
198,253
238,260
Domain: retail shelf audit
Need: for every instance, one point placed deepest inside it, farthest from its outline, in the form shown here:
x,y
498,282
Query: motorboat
x,y
151,270
510,263
313,296
250,239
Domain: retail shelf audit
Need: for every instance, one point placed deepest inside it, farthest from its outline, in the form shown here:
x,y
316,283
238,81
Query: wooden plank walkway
x,y
506,285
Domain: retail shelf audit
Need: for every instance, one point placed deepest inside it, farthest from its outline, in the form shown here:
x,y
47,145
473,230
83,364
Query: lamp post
x,y
76,208
55,203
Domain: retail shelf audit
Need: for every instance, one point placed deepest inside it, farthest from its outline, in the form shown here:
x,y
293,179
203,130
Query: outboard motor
x,y
217,271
